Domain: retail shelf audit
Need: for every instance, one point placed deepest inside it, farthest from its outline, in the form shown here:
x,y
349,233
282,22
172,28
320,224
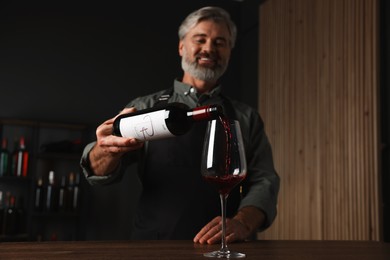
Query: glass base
x,y
224,254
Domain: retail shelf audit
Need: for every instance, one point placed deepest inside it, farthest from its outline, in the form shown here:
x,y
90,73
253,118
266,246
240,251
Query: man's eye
x,y
199,40
220,43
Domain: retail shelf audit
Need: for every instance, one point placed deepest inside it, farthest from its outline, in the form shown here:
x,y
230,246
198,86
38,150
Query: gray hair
x,y
216,14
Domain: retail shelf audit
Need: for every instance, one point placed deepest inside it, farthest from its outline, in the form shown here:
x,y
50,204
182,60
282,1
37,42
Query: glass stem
x,y
223,198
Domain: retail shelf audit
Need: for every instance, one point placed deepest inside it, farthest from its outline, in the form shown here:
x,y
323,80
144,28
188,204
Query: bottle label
x,y
145,127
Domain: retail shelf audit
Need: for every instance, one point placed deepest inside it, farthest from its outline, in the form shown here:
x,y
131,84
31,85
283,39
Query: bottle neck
x,y
205,112
22,144
4,144
51,178
12,202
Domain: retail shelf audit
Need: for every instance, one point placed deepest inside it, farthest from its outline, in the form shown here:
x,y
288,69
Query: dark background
x,y
83,62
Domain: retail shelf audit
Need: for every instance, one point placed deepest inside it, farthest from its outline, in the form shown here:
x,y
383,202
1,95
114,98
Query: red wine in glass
x,y
224,184
224,167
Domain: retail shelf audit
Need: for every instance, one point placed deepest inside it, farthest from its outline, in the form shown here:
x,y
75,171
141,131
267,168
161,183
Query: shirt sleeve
x,y
112,177
262,182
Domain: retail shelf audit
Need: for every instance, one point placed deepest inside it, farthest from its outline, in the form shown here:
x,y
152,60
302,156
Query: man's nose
x,y
209,46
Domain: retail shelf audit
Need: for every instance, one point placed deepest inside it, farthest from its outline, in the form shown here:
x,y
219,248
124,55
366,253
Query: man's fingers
x,y
211,231
127,110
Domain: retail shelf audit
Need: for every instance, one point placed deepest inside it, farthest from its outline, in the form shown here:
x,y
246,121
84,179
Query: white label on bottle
x,y
145,127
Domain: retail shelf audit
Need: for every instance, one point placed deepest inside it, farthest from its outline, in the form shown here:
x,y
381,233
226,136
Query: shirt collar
x,y
185,89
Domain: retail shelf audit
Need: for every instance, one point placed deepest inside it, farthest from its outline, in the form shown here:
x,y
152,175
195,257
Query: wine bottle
x,y
51,194
70,190
21,159
4,158
174,119
39,197
62,197
76,193
11,217
13,158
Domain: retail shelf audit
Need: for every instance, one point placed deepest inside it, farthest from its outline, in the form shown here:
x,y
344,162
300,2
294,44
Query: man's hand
x,y
239,228
212,232
106,154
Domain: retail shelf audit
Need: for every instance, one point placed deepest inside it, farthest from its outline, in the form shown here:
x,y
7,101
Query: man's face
x,y
205,50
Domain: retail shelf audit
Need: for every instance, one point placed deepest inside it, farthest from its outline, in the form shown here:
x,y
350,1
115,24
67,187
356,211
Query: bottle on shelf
x,y
174,119
51,198
11,217
39,195
20,159
70,190
63,195
14,158
73,191
4,158
76,193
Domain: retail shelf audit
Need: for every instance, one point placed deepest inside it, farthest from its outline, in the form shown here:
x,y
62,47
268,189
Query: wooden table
x,y
182,250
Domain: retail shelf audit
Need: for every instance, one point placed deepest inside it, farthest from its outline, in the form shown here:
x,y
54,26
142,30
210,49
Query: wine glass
x,y
223,166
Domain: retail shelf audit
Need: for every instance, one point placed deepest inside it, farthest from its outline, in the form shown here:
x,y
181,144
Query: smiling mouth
x,y
206,61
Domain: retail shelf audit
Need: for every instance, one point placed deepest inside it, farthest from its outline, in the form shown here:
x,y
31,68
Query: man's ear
x,y
181,48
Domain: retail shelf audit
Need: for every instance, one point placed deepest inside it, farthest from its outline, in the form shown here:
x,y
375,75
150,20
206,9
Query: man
x,y
175,203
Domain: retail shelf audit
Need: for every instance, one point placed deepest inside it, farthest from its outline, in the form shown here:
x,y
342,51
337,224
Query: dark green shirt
x,y
262,179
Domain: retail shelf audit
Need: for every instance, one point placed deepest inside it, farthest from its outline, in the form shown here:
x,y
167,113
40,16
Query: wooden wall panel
x,y
319,100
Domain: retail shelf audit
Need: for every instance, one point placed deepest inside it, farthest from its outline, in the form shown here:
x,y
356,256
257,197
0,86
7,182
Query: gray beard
x,y
201,73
